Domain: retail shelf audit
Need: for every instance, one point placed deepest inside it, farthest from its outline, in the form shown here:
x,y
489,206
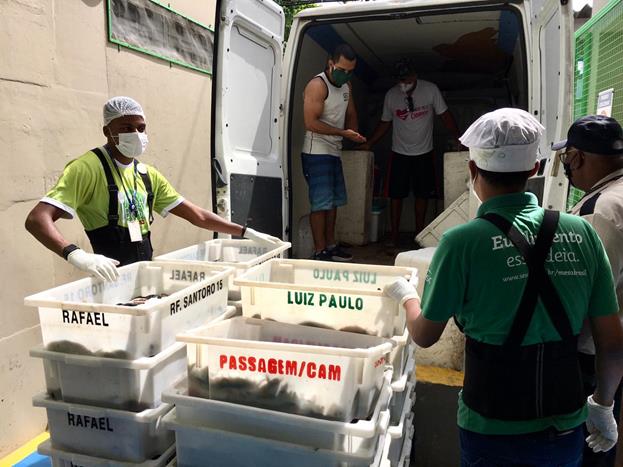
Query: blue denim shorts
x,y
325,180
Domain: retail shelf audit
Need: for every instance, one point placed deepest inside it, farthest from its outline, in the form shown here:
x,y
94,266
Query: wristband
x,y
68,249
244,230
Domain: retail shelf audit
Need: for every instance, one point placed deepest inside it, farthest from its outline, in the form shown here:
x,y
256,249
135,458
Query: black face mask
x,y
568,172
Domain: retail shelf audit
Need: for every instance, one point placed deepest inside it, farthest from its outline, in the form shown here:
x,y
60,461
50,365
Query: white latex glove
x,y
601,425
260,237
99,266
401,291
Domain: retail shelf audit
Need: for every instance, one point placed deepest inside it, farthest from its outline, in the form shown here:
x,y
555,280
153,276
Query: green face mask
x,y
340,77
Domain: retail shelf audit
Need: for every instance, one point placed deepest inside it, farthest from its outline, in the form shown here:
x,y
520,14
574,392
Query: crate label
x,y
93,318
195,297
187,275
88,293
253,250
279,366
354,277
343,302
86,421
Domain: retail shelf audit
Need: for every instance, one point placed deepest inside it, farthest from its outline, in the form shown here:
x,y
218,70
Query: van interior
x,y
477,58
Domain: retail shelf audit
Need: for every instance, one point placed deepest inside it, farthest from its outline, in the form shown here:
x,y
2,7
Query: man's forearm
x,y
322,128
609,371
45,231
378,132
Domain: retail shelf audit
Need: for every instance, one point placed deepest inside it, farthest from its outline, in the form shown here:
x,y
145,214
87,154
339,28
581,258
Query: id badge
x,y
135,231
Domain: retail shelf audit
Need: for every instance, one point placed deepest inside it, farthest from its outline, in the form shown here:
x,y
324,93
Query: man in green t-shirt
x,y
114,196
520,281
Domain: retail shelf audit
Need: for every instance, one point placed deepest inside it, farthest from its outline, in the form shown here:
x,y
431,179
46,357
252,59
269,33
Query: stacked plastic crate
x,y
303,378
108,352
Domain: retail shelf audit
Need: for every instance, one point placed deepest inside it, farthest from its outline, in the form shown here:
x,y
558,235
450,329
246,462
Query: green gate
x,y
598,66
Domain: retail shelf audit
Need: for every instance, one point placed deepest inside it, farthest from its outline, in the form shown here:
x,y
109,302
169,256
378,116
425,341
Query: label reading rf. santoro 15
x,y
195,297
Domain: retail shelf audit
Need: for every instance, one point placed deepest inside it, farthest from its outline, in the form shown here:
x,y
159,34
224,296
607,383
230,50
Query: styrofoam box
x,y
113,383
239,254
419,259
84,316
110,433
296,429
347,297
319,372
196,445
402,388
61,458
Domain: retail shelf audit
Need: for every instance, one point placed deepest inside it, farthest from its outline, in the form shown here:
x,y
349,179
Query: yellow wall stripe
x,y
24,451
436,375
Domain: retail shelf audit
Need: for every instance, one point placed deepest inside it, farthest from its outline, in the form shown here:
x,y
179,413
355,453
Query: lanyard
x,y
131,201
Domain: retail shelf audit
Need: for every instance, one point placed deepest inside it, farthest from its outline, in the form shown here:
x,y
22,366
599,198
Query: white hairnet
x,y
121,106
505,140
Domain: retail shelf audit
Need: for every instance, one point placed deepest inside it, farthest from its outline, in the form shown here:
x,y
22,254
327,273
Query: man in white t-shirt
x,y
410,108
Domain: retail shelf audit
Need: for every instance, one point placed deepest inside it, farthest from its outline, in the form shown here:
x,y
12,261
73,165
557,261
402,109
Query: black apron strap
x,y
148,189
113,190
539,282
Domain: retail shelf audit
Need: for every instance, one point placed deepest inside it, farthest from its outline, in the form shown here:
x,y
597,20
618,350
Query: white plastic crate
x,y
396,433
61,458
456,214
346,297
110,433
198,446
405,457
295,369
85,317
240,254
350,437
400,353
402,388
133,385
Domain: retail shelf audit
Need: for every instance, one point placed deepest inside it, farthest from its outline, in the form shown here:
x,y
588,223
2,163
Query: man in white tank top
x,y
330,115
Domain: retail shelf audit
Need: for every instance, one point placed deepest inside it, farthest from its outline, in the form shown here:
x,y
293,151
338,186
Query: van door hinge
x,y
286,190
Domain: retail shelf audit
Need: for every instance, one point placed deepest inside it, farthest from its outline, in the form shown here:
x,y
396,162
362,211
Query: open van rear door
x,y
552,83
247,161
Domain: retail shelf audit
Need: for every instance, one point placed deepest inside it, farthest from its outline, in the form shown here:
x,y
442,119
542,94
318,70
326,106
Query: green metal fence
x,y
598,66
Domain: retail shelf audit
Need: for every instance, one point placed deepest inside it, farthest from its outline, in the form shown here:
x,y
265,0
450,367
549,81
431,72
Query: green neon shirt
x,y
82,190
478,276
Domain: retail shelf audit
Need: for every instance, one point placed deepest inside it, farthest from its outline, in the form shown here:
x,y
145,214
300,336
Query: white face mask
x,y
132,144
405,87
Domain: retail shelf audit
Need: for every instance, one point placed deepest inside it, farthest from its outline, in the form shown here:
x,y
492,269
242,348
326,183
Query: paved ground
x,y
380,253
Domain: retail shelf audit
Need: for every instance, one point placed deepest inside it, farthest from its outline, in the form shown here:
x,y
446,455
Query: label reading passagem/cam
x,y
196,296
356,277
325,300
85,421
278,366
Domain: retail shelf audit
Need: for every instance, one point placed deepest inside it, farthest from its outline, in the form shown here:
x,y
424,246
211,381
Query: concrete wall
x,y
56,71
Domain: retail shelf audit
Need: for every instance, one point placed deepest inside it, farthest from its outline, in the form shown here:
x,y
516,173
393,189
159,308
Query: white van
x,y
482,55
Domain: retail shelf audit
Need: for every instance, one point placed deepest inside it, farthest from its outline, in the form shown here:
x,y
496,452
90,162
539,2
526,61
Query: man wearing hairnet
x,y
114,196
520,281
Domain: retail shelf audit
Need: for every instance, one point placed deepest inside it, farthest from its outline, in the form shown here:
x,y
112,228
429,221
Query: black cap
x,y
403,68
594,133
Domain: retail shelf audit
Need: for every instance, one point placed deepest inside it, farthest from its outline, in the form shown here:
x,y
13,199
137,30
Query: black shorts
x,y
406,172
